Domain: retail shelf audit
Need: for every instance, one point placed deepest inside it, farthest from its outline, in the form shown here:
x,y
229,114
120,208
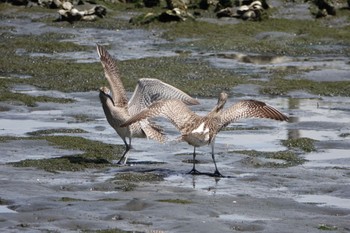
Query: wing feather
x,y
112,75
250,109
148,91
174,110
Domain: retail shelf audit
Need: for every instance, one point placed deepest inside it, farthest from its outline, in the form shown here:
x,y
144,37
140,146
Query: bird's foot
x,y
217,174
122,163
194,172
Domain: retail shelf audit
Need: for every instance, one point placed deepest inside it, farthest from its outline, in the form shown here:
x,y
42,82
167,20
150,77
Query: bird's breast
x,y
199,136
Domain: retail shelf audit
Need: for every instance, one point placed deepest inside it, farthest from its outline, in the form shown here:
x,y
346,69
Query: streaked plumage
x,y
202,130
117,109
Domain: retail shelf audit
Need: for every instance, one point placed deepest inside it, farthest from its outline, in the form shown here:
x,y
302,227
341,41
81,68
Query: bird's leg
x,y
130,146
127,148
194,171
216,173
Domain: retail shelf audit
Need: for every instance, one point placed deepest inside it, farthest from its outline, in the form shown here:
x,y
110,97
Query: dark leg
x,y
194,171
127,154
216,173
127,148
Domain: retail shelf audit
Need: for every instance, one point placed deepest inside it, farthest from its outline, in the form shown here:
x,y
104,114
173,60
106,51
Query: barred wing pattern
x,y
174,110
199,131
250,109
112,74
149,91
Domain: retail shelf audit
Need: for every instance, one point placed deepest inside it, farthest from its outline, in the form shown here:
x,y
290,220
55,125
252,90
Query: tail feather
x,y
153,131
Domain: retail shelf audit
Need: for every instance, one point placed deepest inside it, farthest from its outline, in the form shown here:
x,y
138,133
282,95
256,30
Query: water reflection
x,y
325,200
254,59
315,118
293,104
211,188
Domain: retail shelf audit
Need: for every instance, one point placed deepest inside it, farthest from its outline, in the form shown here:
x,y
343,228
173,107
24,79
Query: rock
x,y
144,18
249,2
322,8
179,4
19,2
242,9
175,14
151,3
205,4
227,12
85,12
248,15
253,11
67,6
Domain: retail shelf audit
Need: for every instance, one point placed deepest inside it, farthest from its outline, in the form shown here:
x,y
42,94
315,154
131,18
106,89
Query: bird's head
x,y
222,100
105,95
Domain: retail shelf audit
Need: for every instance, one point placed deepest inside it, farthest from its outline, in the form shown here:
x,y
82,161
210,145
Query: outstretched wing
x,y
250,109
174,110
113,77
148,91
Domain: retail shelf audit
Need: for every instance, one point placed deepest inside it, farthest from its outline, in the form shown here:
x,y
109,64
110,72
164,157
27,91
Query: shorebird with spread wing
x,y
118,109
201,130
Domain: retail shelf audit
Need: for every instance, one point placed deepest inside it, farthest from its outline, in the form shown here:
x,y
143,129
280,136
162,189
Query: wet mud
x,y
155,193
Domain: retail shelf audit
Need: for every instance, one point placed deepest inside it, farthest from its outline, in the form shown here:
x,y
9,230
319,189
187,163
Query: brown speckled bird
x,y
117,109
202,130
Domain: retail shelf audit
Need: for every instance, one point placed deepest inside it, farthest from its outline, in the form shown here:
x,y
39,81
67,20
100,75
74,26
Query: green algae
x,y
176,201
46,73
125,186
8,138
289,158
49,42
96,155
326,227
30,101
129,181
139,177
344,135
50,74
56,131
137,222
4,202
70,199
65,163
81,118
114,230
304,144
243,36
281,86
190,75
109,199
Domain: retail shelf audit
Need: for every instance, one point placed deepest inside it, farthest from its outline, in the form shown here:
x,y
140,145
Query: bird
x,y
198,130
118,109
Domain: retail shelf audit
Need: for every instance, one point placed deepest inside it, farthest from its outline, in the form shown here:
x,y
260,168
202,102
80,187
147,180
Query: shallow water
x,y
325,200
5,209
